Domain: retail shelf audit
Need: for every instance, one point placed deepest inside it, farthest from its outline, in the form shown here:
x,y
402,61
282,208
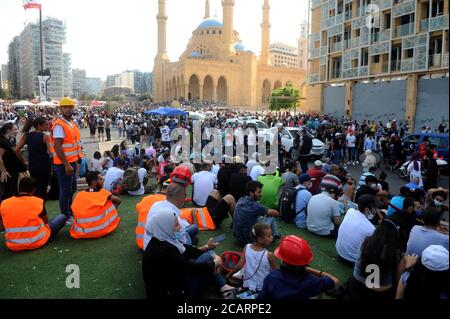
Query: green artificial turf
x,y
111,267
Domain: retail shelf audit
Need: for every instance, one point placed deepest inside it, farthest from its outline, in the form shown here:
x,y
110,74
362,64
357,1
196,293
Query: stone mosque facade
x,y
217,67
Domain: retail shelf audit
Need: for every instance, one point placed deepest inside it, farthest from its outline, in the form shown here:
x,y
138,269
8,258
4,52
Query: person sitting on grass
x,y
382,249
220,208
143,208
94,210
176,195
257,261
176,271
354,229
25,220
295,279
143,179
272,184
323,218
248,212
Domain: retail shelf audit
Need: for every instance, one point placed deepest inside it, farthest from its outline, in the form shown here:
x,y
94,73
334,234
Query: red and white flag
x,y
31,4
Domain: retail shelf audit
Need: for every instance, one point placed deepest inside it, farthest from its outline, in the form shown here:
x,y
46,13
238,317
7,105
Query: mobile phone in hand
x,y
219,239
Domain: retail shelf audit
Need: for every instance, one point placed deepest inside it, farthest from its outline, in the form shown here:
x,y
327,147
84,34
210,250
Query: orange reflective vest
x,y
71,145
143,208
205,222
24,229
94,214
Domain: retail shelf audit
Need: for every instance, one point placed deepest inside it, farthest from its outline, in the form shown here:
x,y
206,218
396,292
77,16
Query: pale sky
x,y
109,36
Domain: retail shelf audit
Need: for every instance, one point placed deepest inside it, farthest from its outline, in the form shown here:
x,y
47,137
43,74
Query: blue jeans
x,y
192,231
120,132
56,224
351,154
337,157
271,221
197,284
67,188
300,220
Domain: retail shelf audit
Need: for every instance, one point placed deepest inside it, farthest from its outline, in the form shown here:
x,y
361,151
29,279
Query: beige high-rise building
x,y
216,65
393,45
283,55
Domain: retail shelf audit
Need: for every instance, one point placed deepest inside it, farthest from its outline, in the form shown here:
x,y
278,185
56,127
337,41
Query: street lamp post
x,y
44,74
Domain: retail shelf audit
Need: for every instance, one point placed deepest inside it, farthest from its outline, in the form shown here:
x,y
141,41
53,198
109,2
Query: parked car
x,y
288,137
440,140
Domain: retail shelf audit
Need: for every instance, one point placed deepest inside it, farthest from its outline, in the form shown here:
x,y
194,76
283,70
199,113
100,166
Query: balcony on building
x,y
435,52
404,25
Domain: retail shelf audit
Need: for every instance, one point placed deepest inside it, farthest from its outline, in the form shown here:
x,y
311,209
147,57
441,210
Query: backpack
x,y
101,122
287,203
130,180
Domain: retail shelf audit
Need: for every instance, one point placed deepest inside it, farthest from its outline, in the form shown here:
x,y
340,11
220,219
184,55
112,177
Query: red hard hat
x,y
295,251
181,175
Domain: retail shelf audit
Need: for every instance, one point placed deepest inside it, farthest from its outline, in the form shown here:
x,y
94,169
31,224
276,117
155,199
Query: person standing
x,y
108,129
120,126
306,145
351,147
101,129
65,146
39,162
10,163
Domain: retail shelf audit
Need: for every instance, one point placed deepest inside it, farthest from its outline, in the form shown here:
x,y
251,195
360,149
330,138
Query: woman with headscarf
x,y
415,168
175,271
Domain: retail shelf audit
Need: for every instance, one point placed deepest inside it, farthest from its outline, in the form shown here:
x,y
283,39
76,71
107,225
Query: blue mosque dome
x,y
210,23
240,47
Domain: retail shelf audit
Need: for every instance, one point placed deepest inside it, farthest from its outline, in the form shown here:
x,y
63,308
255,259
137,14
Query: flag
x,y
31,4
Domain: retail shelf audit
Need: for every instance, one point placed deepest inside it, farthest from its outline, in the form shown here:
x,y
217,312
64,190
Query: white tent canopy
x,y
23,103
47,104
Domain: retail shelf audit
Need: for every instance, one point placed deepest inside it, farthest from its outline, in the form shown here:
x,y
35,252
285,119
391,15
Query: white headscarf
x,y
161,226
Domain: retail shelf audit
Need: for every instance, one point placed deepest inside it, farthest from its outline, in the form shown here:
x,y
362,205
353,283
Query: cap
x,y
304,178
435,258
318,163
331,181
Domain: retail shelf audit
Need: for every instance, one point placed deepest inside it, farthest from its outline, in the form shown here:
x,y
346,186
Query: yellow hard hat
x,y
67,102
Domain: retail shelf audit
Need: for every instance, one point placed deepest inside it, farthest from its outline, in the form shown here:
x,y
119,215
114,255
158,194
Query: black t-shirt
x,y
237,185
10,159
223,180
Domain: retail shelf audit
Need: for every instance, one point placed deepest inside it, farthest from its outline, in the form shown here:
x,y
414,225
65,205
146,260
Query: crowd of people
x,y
399,231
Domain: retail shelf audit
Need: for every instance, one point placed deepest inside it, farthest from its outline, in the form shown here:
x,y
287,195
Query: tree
x,y
285,98
3,94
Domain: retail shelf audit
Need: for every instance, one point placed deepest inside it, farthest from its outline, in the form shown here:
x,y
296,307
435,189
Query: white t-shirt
x,y
112,175
142,173
203,185
96,165
215,169
165,134
352,232
58,131
351,139
256,172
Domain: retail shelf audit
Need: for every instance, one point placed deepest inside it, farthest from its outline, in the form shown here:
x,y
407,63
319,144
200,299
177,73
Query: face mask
x,y
177,236
438,203
374,186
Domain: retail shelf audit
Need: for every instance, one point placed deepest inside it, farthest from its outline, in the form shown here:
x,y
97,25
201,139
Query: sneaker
x,y
69,221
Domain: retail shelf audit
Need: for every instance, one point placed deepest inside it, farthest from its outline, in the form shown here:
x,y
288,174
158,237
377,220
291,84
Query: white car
x,y
288,136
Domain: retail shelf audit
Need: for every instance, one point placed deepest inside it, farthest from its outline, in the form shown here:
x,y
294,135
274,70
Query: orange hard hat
x,y
181,175
294,251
